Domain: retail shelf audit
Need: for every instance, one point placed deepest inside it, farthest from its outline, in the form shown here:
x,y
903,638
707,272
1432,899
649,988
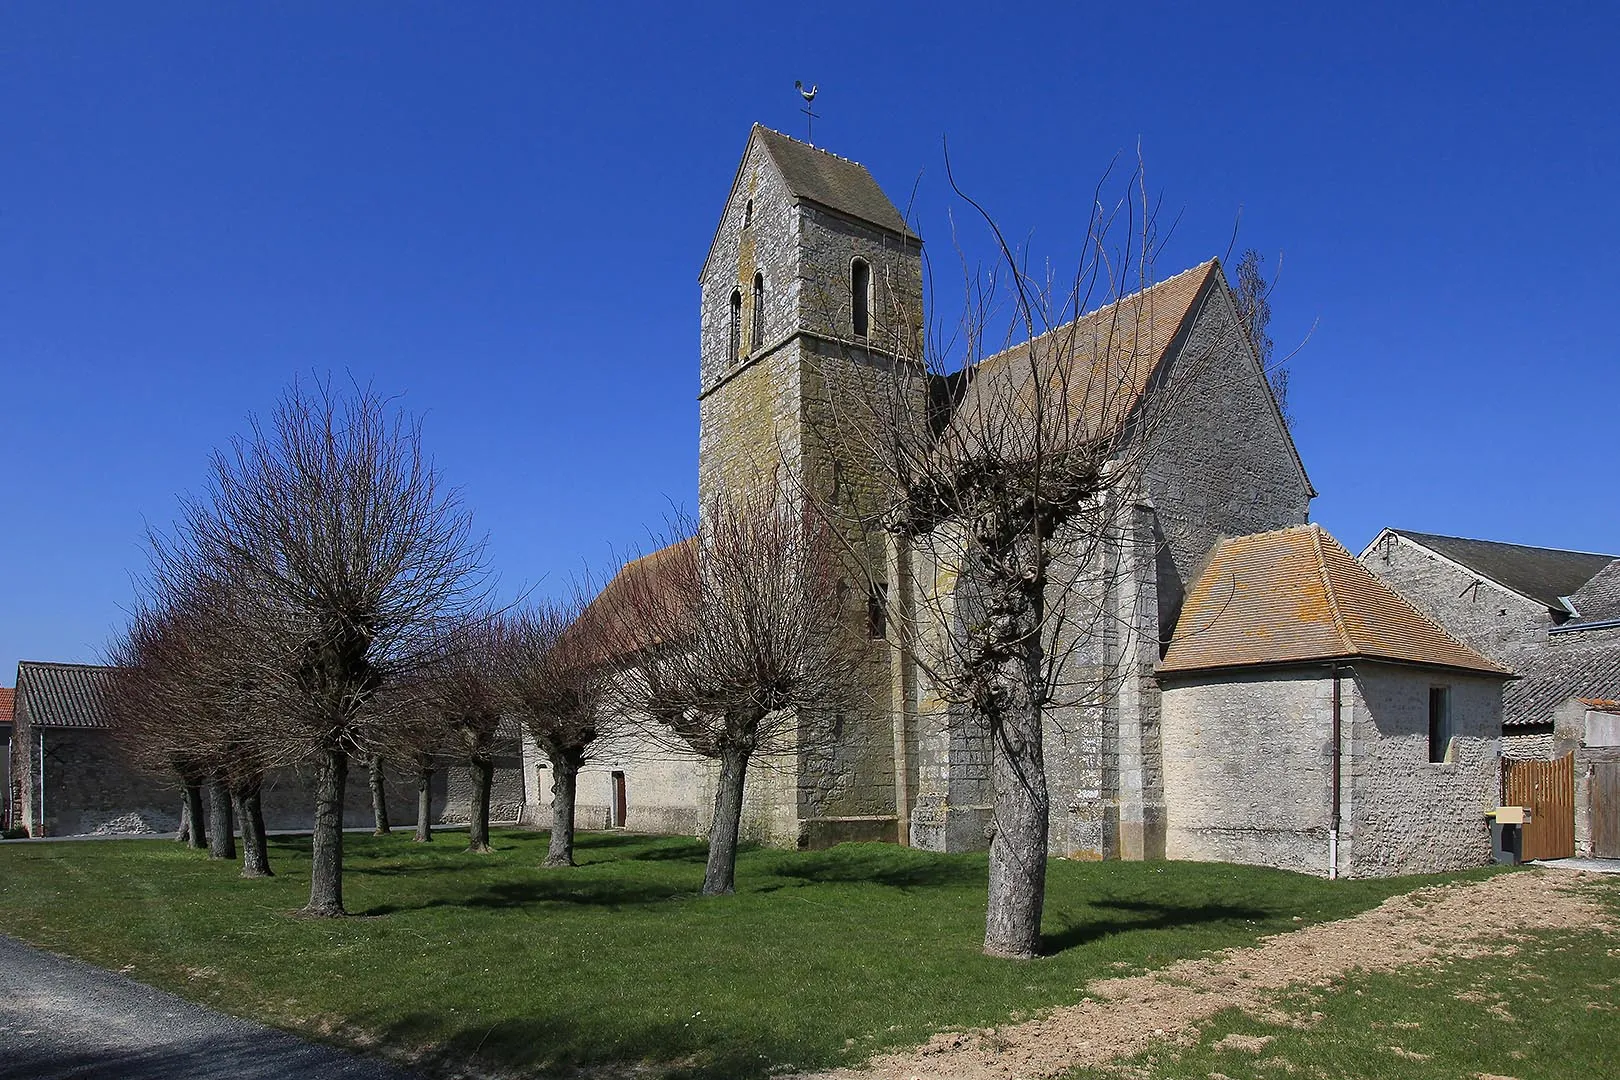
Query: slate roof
x,y
834,182
1563,668
1100,363
7,697
1599,599
62,695
1545,575
1296,595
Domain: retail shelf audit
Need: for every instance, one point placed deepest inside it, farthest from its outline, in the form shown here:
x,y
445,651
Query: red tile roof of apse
x,y
1295,596
8,698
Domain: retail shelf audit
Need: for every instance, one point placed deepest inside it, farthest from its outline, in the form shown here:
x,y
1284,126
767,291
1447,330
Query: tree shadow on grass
x,y
559,888
879,865
680,1046
1145,915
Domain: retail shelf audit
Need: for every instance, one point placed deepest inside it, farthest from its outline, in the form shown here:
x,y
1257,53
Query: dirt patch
x,y
1126,1016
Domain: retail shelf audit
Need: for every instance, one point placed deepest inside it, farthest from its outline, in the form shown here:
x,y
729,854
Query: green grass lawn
x,y
1547,1008
820,958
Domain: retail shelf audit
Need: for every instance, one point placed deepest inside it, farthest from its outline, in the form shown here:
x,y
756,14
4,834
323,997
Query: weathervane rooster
x,y
809,117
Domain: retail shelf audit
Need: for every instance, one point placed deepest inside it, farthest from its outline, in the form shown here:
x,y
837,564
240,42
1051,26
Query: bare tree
x,y
182,701
553,664
731,641
415,733
1253,294
464,683
1005,453
345,555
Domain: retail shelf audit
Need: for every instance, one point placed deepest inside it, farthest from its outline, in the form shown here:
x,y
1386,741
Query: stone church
x,y
812,286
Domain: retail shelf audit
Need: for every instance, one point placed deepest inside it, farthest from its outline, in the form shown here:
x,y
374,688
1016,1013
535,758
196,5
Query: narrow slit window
x,y
1440,734
877,611
736,326
748,213
860,297
759,310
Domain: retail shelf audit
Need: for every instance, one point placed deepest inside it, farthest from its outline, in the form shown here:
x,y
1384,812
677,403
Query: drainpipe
x,y
1333,832
40,829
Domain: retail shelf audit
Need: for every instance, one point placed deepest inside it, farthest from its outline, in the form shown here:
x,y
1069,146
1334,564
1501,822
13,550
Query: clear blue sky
x,y
500,210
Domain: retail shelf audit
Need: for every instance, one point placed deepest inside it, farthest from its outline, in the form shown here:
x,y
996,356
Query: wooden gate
x,y
1604,793
1548,789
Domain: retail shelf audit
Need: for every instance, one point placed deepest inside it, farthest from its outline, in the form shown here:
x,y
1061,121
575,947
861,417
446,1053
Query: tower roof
x,y
1295,596
817,176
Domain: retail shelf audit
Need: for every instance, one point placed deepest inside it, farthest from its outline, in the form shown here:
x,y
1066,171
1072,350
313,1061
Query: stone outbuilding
x,y
1314,720
1553,616
70,776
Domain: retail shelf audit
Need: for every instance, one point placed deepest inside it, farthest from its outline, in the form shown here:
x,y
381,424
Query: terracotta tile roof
x,y
1296,595
1099,364
7,697
62,695
637,583
1601,704
837,183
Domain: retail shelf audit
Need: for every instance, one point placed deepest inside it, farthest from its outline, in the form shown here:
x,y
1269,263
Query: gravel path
x,y
61,1018
1123,1017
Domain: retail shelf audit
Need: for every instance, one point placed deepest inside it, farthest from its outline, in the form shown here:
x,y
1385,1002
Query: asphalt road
x,y
61,1018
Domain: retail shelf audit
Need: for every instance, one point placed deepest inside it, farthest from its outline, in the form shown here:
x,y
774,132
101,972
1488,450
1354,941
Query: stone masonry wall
x,y
1406,815
1248,768
1221,464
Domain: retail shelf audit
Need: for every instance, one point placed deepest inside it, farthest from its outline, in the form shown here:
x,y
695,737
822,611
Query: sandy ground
x,y
1123,1017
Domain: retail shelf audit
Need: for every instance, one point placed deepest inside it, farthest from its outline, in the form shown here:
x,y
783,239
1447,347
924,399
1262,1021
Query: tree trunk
x,y
326,868
379,796
564,796
1012,922
720,878
221,832
483,777
184,834
255,844
197,836
424,804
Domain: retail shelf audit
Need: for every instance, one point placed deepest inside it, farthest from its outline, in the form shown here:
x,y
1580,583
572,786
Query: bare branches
x,y
327,558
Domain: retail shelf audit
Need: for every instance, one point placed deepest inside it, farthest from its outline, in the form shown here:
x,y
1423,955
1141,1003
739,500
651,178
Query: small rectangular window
x,y
1439,724
877,611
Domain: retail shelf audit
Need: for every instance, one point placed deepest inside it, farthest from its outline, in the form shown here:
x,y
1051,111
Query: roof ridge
x,y
1327,584
807,145
1502,543
64,664
1078,319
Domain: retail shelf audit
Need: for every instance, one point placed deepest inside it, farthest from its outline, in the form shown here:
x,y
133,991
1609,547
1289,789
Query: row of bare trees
x,y
325,603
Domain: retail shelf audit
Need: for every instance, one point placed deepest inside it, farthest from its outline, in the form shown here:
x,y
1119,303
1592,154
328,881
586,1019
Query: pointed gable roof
x,y
815,175
1100,363
1296,595
1545,575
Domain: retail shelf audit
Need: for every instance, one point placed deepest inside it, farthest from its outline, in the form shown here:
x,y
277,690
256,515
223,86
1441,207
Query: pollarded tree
x,y
552,656
1006,457
346,554
730,641
464,684
181,700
